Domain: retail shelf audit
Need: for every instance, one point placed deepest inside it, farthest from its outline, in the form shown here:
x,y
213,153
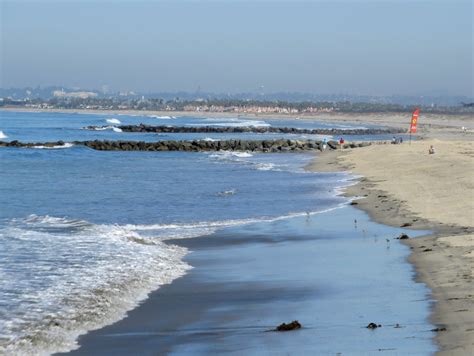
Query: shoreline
x,y
237,293
445,124
442,260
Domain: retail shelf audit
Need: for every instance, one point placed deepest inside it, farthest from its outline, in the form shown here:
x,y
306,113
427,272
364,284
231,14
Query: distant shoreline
x,y
429,125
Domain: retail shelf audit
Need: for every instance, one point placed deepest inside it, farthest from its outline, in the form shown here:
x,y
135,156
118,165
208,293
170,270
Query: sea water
x,y
82,232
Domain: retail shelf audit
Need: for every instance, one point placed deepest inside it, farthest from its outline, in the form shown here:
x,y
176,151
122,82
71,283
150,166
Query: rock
x,y
280,145
373,326
403,237
438,329
333,144
270,129
294,325
406,224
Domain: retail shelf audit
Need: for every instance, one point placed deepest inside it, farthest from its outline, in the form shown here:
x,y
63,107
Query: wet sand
x,y
403,184
332,275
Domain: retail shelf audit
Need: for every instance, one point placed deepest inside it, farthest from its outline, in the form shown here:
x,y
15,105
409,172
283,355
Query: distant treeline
x,y
225,105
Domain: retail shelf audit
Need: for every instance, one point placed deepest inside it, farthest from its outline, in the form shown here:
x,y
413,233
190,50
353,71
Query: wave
x,y
66,145
98,128
2,135
230,154
113,121
226,193
74,277
245,158
266,166
104,128
232,122
164,117
163,232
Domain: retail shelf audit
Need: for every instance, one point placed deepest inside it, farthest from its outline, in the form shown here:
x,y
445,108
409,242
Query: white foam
x,y
165,232
99,128
233,122
265,166
104,128
66,145
2,135
113,121
230,154
245,158
74,277
164,117
227,193
209,139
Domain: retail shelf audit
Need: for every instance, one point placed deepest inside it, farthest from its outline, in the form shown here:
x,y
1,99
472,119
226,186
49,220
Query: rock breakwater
x,y
281,145
249,129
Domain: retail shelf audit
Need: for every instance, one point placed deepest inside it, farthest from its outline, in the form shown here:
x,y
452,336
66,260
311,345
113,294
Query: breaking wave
x,y
232,122
113,121
62,278
164,117
66,145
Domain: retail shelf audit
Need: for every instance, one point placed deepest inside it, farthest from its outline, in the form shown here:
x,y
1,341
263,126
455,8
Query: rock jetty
x,y
248,129
281,145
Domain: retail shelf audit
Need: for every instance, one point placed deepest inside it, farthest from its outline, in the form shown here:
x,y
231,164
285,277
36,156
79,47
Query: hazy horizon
x,y
351,47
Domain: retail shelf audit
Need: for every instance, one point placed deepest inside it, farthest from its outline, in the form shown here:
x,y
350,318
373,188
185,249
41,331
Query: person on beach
x,y
325,141
431,151
341,142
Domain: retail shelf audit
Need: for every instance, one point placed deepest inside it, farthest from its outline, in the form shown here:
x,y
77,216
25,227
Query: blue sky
x,y
358,47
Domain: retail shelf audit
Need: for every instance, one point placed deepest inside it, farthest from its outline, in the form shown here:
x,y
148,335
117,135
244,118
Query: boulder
x,y
373,326
294,325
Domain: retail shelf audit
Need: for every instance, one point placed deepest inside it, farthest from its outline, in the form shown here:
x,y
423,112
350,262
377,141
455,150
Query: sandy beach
x,y
404,185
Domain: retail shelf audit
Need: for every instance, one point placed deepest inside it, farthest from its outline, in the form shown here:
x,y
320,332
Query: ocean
x,y
85,235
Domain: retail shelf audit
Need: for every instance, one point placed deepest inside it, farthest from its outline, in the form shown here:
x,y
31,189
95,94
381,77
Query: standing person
x,y
341,141
325,141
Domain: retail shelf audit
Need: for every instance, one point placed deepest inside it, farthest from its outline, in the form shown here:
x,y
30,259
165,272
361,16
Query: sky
x,y
354,47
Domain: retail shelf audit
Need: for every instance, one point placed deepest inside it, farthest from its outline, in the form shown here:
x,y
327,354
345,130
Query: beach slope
x,y
405,185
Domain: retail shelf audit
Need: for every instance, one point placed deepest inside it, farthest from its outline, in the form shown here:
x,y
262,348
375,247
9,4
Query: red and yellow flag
x,y
414,120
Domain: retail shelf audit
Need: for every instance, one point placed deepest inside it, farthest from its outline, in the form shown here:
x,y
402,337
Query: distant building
x,y
74,94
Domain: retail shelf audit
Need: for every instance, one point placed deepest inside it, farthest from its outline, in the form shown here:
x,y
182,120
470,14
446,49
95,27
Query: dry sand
x,y
403,184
